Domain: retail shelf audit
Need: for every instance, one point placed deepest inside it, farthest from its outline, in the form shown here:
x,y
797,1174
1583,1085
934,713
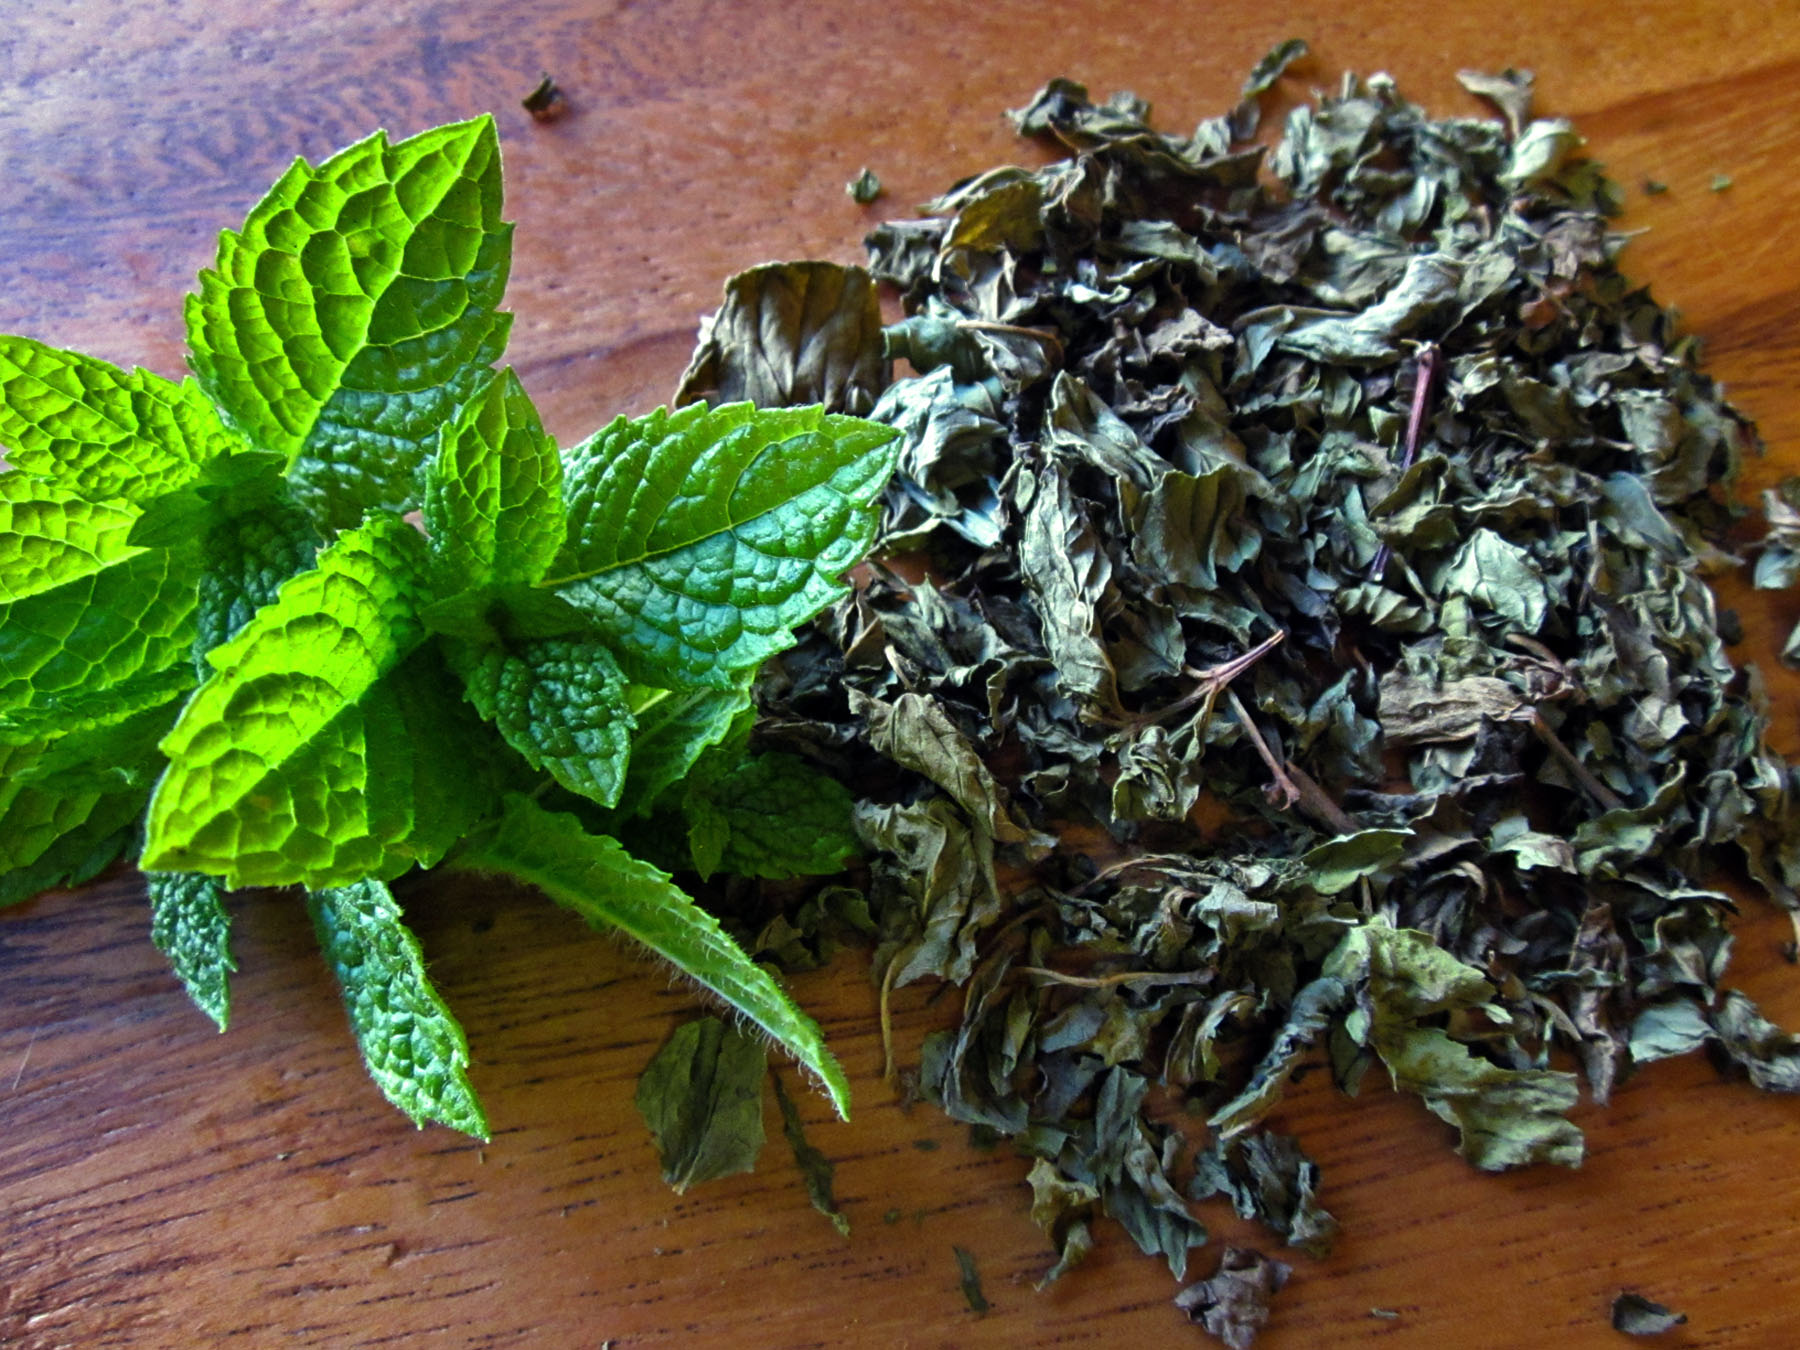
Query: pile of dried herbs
x,y
1292,644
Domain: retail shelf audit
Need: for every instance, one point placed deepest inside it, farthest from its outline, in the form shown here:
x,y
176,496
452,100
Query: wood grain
x,y
162,1185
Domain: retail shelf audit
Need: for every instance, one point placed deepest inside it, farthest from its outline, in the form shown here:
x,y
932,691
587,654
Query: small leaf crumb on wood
x,y
970,1279
1636,1315
1234,1304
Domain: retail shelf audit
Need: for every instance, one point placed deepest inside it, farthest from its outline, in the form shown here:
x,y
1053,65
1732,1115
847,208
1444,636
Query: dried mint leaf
x,y
701,1096
788,334
1294,585
1234,1304
815,1168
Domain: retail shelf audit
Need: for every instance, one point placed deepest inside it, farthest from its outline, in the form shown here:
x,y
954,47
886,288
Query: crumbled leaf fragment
x,y
970,1279
815,1168
1064,1208
864,188
1636,1315
1273,66
1268,1178
1234,1303
1506,1117
791,334
545,102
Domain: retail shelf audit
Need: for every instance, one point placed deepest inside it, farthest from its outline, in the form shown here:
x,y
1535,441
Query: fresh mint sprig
x,y
224,640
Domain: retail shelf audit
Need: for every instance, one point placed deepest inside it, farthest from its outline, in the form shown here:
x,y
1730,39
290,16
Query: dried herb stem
x,y
1041,335
1294,784
1426,374
1608,799
887,1020
1121,977
1125,865
1207,684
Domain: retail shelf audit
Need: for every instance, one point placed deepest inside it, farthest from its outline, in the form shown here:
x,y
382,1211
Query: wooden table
x,y
161,1185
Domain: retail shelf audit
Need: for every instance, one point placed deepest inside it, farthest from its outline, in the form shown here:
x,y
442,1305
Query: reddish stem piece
x,y
1429,361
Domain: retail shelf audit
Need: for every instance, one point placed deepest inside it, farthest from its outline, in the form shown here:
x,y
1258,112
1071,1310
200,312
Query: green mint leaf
x,y
57,829
676,727
594,876
493,495
560,702
708,832
50,537
412,1044
250,555
299,761
80,838
65,716
82,610
777,817
70,800
242,483
356,309
699,539
98,431
504,613
189,925
701,1096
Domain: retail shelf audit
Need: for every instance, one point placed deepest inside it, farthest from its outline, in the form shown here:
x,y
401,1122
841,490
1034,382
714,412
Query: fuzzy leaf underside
x,y
296,762
594,876
356,309
98,431
189,925
83,612
698,540
493,495
560,702
412,1044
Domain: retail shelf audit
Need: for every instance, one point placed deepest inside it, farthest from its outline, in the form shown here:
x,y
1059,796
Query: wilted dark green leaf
x,y
701,1096
791,334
